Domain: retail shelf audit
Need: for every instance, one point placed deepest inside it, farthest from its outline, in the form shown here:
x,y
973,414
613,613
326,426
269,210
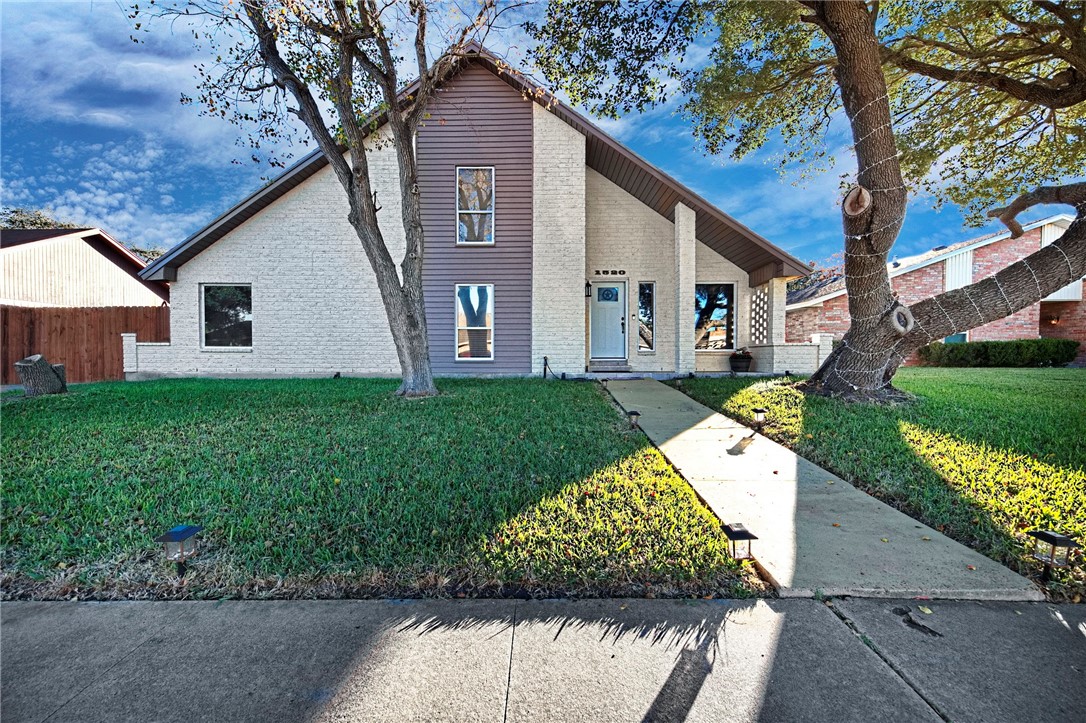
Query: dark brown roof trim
x,y
657,190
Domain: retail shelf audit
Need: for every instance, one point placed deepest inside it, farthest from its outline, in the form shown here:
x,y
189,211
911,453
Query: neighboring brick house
x,y
545,238
823,309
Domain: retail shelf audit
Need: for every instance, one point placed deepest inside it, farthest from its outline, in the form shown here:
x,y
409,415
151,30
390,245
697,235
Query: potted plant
x,y
741,359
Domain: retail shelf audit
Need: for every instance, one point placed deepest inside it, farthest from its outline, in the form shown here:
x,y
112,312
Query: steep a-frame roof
x,y
754,254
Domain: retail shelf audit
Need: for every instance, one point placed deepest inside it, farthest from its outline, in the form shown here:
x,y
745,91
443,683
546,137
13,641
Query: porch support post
x,y
684,289
778,298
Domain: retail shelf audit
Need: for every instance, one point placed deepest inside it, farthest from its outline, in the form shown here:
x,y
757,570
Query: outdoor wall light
x,y
180,544
739,540
588,289
1052,548
634,415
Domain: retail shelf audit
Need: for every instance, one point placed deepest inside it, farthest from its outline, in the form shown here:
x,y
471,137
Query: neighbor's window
x,y
714,317
646,316
228,315
474,321
955,339
475,205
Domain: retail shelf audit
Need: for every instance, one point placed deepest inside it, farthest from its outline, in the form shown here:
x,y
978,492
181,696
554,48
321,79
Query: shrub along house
x,y
823,309
544,238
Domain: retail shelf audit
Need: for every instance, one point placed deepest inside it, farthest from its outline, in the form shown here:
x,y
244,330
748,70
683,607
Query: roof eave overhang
x,y
763,261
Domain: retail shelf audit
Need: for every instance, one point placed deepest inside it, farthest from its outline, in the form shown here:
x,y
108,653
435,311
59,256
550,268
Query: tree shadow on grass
x,y
333,488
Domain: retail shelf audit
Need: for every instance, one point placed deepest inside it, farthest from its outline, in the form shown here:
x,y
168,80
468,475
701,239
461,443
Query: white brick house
x,y
545,238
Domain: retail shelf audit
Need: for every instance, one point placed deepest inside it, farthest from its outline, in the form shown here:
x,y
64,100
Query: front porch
x,y
663,301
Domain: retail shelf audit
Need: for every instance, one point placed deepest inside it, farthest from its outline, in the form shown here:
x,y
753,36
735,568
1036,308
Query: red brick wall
x,y
1072,323
801,323
992,258
928,281
920,284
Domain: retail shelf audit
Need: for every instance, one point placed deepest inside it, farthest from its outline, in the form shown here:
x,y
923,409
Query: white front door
x,y
607,320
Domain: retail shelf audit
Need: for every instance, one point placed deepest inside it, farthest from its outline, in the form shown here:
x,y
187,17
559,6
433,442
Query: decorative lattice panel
x,y
759,316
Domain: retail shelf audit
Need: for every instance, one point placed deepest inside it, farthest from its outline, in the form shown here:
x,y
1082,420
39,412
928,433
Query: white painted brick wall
x,y
686,258
795,358
623,233
558,244
316,307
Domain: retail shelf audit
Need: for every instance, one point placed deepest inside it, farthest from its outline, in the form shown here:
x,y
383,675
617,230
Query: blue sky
x,y
96,134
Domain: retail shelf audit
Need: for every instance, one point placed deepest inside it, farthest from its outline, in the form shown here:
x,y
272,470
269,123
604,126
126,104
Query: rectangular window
x,y
227,315
958,338
714,317
646,316
475,205
474,321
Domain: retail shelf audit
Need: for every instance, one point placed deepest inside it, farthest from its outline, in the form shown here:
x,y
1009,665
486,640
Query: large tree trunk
x,y
403,300
884,331
40,377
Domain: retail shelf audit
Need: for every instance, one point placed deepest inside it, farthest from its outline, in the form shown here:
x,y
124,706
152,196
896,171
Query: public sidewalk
x,y
817,533
506,660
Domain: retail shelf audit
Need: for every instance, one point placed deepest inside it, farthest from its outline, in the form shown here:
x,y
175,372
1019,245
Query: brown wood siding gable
x,y
478,120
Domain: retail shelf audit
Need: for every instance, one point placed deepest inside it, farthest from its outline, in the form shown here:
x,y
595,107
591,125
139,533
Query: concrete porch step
x,y
605,367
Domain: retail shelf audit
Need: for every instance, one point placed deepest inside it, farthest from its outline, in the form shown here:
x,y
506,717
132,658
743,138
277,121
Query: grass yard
x,y
983,455
335,487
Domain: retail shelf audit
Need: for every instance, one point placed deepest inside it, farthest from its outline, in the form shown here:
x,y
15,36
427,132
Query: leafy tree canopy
x,y
19,217
987,97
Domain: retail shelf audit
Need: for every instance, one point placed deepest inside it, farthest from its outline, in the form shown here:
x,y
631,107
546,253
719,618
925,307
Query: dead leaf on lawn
x,y
836,524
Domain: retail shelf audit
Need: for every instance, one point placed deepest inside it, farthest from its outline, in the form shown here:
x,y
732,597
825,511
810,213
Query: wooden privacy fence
x,y
86,340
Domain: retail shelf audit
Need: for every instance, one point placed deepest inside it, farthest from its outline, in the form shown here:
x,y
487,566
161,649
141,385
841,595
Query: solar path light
x,y
180,545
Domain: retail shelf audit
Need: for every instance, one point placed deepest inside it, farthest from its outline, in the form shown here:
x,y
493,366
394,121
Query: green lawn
x,y
337,488
983,454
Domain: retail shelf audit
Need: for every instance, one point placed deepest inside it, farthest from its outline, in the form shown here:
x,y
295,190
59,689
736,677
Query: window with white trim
x,y
475,205
714,317
474,322
227,315
646,316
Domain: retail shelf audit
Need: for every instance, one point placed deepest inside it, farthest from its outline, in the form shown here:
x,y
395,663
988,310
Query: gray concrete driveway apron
x,y
817,533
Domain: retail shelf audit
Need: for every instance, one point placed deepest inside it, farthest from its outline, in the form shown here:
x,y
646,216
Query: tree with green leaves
x,y
335,65
971,102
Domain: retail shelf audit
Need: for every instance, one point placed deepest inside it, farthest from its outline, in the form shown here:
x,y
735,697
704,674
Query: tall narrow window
x,y
646,316
474,321
227,315
475,205
714,317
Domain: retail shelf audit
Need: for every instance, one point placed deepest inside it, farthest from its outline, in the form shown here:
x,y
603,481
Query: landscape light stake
x,y
739,540
759,417
634,416
1058,553
180,545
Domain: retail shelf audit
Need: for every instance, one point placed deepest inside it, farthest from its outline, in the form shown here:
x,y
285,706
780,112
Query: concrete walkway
x,y
817,533
506,660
